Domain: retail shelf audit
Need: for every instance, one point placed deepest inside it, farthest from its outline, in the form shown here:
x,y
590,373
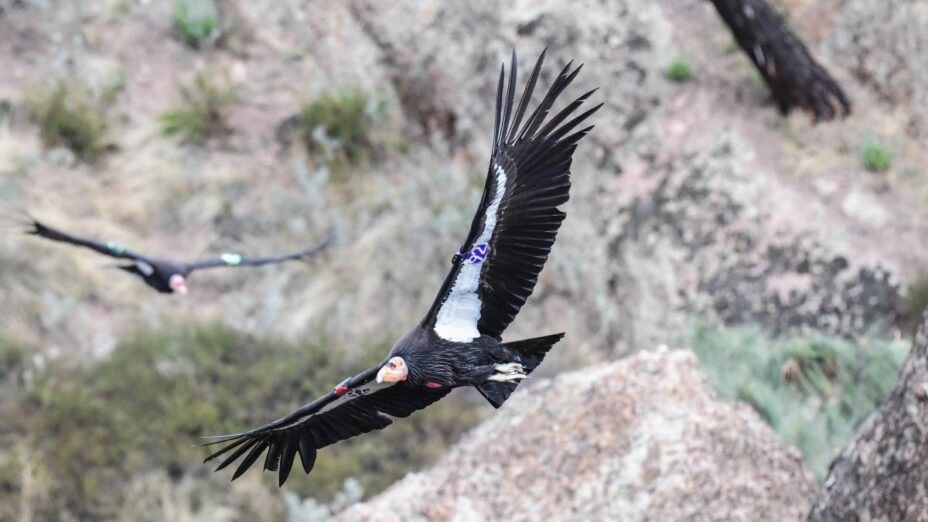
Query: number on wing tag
x,y
478,254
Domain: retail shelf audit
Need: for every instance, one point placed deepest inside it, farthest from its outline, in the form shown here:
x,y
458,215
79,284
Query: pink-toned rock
x,y
644,438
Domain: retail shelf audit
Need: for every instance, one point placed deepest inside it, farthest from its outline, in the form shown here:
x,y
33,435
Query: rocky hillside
x,y
644,438
690,199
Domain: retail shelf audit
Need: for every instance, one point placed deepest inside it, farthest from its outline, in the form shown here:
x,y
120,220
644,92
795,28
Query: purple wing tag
x,y
478,254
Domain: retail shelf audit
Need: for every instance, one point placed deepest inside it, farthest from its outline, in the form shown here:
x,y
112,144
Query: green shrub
x,y
203,113
197,21
877,157
146,407
339,127
70,116
678,70
814,391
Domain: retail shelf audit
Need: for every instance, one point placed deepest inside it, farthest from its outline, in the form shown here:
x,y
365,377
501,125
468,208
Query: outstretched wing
x,y
495,270
230,259
357,406
37,228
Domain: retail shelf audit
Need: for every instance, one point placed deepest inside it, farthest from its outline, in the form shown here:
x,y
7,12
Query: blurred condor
x,y
165,275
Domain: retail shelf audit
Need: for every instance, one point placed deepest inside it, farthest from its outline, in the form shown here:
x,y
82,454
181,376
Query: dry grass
x,y
69,115
203,112
340,128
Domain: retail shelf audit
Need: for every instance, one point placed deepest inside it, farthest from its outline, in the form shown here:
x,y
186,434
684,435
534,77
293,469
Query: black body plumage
x,y
459,342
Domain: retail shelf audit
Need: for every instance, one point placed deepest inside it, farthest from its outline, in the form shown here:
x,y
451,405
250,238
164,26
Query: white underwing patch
x,y
458,316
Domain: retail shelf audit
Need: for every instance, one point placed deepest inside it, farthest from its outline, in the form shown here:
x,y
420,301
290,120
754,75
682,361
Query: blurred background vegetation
x,y
814,390
97,427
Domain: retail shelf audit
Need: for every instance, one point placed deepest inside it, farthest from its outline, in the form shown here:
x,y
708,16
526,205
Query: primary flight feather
x,y
459,342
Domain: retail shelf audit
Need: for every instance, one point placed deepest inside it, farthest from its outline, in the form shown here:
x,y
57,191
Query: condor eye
x,y
392,365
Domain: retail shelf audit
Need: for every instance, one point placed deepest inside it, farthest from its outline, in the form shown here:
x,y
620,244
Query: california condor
x,y
164,275
459,342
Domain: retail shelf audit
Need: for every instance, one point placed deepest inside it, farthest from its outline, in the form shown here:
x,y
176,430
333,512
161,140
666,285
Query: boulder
x,y
882,472
644,438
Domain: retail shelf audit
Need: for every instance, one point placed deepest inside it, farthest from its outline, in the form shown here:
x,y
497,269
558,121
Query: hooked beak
x,y
178,284
394,371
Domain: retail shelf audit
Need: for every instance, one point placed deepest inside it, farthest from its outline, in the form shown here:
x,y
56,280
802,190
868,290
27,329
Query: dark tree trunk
x,y
882,473
794,78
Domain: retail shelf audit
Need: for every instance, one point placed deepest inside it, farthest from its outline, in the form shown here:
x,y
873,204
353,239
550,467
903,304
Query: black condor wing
x,y
517,221
230,259
37,228
358,405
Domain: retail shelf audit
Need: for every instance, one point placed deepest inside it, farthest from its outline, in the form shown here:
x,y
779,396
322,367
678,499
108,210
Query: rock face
x,y
878,41
739,252
644,438
882,472
692,201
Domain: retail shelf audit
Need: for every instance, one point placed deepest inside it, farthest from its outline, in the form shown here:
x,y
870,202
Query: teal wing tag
x,y
231,259
115,248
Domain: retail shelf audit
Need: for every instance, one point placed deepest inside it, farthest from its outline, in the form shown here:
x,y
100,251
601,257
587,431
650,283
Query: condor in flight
x,y
459,342
164,275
